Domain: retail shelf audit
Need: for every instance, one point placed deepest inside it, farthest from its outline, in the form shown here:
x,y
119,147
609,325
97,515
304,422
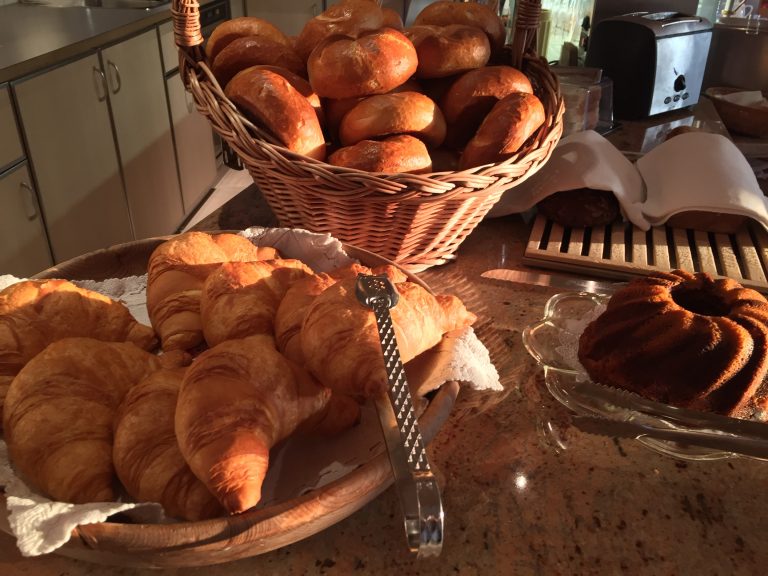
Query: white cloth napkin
x,y
581,160
41,525
703,172
746,98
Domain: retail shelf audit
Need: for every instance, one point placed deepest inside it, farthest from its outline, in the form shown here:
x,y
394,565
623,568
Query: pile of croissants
x,y
357,89
245,348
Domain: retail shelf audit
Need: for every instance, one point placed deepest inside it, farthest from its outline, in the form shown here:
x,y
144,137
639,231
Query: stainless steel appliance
x,y
656,60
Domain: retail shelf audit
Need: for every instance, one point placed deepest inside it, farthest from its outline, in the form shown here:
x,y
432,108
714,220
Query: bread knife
x,y
630,403
559,281
754,447
415,483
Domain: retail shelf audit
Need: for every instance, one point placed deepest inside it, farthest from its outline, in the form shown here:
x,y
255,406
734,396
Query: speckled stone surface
x,y
524,491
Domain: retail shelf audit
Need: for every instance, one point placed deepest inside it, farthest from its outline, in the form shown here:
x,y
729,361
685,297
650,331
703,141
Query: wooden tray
x,y
621,251
251,533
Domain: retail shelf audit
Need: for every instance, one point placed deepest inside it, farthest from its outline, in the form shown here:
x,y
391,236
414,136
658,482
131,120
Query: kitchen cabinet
x,y
288,15
99,143
24,247
194,139
10,144
134,73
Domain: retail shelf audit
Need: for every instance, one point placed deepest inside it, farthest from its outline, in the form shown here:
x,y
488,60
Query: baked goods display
x,y
684,339
436,80
581,207
191,426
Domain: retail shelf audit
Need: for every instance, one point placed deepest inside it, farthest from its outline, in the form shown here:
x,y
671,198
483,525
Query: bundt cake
x,y
684,339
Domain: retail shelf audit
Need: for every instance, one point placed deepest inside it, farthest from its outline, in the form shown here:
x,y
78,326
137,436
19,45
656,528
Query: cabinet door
x,y
23,244
194,144
288,15
10,145
143,130
71,150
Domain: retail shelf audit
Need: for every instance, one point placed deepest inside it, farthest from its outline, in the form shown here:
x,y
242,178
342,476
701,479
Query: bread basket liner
x,y
42,526
415,220
691,172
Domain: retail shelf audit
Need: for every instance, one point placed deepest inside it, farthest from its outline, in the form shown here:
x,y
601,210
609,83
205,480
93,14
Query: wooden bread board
x,y
621,250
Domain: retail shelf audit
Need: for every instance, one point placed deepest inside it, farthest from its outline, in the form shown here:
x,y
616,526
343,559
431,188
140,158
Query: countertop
x,y
35,37
524,491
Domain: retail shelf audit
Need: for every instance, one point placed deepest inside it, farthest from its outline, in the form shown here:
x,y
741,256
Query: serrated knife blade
x,y
559,281
754,447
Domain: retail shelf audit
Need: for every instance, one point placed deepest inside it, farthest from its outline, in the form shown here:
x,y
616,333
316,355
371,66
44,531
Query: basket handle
x,y
525,32
186,28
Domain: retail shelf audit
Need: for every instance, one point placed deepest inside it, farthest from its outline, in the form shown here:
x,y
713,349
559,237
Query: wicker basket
x,y
417,221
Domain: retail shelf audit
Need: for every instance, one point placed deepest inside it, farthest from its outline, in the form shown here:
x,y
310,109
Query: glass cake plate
x,y
687,434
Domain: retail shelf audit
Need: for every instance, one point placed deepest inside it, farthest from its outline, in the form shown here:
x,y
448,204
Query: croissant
x,y
34,313
241,298
298,298
146,454
59,413
237,400
176,272
338,327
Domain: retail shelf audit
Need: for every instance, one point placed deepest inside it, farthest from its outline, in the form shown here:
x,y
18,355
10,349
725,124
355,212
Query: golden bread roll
x,y
302,85
230,30
395,113
237,400
335,109
447,50
176,273
35,313
337,326
249,51
241,298
146,454
347,18
445,12
373,63
395,154
505,129
269,100
472,95
59,415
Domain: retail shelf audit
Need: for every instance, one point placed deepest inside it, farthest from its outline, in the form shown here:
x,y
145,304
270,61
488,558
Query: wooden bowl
x,y
745,120
256,531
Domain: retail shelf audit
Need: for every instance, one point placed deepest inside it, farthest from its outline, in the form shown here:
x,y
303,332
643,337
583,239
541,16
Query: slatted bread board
x,y
622,250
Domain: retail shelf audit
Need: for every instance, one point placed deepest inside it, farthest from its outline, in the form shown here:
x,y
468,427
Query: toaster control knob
x,y
680,83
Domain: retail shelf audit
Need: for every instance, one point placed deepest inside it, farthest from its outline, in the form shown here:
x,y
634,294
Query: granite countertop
x,y
34,37
524,491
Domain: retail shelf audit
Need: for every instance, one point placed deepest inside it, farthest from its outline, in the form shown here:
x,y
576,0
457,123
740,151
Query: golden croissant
x,y
146,454
237,400
34,313
176,272
338,327
240,299
299,297
59,415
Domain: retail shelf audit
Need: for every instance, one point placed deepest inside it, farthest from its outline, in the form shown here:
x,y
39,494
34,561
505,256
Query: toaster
x,y
656,60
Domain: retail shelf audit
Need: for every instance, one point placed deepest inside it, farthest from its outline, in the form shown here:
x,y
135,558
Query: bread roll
x,y
472,96
374,63
335,108
249,51
240,27
397,113
392,19
347,18
270,101
447,50
508,125
392,155
302,85
445,12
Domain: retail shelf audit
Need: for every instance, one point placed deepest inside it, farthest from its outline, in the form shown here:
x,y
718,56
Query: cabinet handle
x,y
28,198
99,84
314,9
118,83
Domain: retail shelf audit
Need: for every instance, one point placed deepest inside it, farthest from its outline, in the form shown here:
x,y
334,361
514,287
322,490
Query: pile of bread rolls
x,y
245,349
357,89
